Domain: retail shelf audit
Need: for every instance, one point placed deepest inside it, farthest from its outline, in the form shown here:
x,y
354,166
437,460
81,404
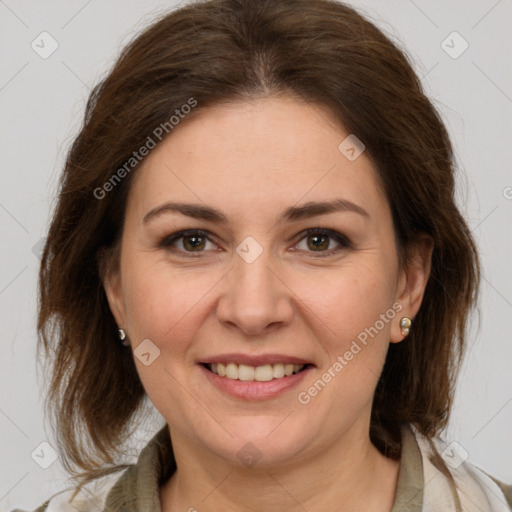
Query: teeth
x,y
255,373
232,371
245,372
278,371
264,373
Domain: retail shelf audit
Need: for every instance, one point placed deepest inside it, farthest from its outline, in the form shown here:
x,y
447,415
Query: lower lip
x,y
255,390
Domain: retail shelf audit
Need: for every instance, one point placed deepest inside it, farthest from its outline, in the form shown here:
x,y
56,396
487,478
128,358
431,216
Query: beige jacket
x,y
421,486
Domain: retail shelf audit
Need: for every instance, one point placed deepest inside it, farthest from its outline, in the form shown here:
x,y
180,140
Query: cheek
x,y
165,306
164,303
352,318
347,303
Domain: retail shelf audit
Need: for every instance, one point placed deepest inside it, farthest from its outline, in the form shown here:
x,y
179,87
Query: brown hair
x,y
224,50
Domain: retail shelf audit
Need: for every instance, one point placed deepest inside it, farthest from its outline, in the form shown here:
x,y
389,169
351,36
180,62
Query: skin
x,y
251,160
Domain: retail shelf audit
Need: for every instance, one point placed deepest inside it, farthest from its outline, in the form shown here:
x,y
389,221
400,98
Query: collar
x,y
138,488
422,484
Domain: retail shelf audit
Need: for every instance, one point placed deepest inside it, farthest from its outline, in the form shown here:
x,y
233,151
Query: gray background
x,y
41,105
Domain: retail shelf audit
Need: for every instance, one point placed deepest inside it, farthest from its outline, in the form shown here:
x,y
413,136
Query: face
x,y
258,283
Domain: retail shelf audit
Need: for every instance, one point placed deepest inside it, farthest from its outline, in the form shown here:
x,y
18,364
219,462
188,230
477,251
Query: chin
x,y
262,442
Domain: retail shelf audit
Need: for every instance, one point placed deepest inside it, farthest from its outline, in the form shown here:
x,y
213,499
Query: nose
x,y
255,298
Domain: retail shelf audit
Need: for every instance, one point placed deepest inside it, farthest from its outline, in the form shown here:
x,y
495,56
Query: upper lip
x,y
255,360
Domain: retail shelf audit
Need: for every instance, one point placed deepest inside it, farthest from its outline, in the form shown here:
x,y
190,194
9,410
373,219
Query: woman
x,y
260,205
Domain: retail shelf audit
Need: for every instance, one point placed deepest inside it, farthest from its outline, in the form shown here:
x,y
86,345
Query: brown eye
x,y
194,242
320,241
186,241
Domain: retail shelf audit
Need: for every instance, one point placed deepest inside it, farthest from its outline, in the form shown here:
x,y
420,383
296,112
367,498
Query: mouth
x,y
260,373
255,377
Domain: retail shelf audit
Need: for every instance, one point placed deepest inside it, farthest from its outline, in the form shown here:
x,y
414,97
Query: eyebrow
x,y
293,213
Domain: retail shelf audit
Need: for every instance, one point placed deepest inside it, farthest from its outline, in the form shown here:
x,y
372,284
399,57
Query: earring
x,y
405,325
122,336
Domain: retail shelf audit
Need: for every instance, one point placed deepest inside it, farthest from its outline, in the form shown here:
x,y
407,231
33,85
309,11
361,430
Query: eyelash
x,y
344,242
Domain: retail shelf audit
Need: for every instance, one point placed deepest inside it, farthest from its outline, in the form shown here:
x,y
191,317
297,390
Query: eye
x,y
191,241
196,241
318,240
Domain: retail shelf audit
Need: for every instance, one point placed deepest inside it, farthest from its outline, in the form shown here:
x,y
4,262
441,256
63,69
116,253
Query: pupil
x,y
316,238
193,241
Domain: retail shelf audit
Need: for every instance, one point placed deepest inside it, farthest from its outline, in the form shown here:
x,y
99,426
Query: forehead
x,y
253,157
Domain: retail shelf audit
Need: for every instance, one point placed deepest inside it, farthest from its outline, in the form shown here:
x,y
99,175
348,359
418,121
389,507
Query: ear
x,y
412,282
110,272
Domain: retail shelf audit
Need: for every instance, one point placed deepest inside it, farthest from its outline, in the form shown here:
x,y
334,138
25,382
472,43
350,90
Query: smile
x,y
255,377
262,373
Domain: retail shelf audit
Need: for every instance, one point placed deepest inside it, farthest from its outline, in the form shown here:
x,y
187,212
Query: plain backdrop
x,y
42,102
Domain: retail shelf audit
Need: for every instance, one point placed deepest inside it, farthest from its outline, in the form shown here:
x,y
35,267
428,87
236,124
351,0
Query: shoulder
x,y
456,476
90,498
124,487
505,488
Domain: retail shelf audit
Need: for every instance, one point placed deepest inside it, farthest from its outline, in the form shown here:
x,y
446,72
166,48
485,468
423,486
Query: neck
x,y
351,473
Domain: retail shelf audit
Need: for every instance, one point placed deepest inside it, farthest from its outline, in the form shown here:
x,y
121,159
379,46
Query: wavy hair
x,y
226,50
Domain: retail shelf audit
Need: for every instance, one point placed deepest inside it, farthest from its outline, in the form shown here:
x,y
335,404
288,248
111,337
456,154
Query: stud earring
x,y
122,336
405,325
